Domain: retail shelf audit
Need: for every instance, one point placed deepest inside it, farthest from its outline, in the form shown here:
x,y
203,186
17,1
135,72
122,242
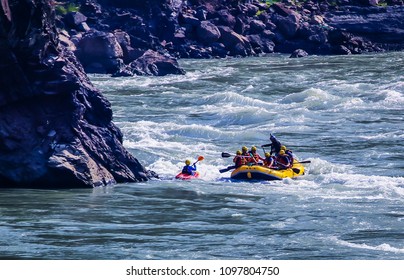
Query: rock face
x,y
382,26
220,28
56,129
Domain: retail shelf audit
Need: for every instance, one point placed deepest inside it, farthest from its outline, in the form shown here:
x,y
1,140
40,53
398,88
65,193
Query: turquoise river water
x,y
344,113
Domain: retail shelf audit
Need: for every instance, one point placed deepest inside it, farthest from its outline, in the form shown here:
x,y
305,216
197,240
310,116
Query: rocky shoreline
x,y
126,38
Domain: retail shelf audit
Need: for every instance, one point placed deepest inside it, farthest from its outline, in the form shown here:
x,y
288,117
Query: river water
x,y
343,113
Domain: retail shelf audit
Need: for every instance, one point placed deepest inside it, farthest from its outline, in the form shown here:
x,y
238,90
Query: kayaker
x,y
254,156
269,160
188,168
239,160
282,160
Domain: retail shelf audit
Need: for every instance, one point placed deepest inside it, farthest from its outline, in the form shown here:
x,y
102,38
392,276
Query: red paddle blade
x,y
200,158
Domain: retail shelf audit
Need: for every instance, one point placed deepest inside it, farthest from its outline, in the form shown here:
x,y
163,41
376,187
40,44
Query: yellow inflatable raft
x,y
259,172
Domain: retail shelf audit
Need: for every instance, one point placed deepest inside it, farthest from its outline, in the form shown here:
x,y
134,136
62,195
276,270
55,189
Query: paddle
x,y
226,155
227,169
296,170
200,158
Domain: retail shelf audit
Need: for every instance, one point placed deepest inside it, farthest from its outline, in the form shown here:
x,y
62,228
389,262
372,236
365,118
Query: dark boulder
x,y
154,63
251,9
207,32
288,26
219,50
340,50
226,18
77,21
188,19
256,26
100,52
261,44
235,43
299,53
282,10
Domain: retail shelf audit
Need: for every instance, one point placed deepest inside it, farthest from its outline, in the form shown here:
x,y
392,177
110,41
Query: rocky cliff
x,y
170,29
56,129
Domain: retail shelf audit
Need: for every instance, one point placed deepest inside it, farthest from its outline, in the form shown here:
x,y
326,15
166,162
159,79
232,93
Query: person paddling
x,y
282,160
269,160
239,160
288,152
255,157
244,152
188,168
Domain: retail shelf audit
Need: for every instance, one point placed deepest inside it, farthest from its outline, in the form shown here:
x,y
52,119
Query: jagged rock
x,y
201,13
219,50
226,18
317,19
124,41
256,26
100,52
240,26
75,20
207,32
56,129
261,44
341,50
189,19
153,63
288,26
381,25
299,53
250,9
237,44
282,10
64,40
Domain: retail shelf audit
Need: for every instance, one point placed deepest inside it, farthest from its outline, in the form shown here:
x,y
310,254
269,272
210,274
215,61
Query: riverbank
x,y
127,38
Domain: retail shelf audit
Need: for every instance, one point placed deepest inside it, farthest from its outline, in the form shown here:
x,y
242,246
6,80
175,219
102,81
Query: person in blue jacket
x,y
188,168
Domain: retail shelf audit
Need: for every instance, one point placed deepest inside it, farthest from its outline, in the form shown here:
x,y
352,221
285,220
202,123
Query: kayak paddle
x,y
200,158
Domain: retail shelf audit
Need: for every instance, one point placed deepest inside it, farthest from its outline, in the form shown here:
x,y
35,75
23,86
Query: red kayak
x,y
183,176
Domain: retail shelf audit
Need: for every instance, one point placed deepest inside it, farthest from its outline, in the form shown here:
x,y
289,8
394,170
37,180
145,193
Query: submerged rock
x,y
56,129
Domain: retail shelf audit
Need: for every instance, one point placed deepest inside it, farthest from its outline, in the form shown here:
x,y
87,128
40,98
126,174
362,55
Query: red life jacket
x,y
238,161
284,161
